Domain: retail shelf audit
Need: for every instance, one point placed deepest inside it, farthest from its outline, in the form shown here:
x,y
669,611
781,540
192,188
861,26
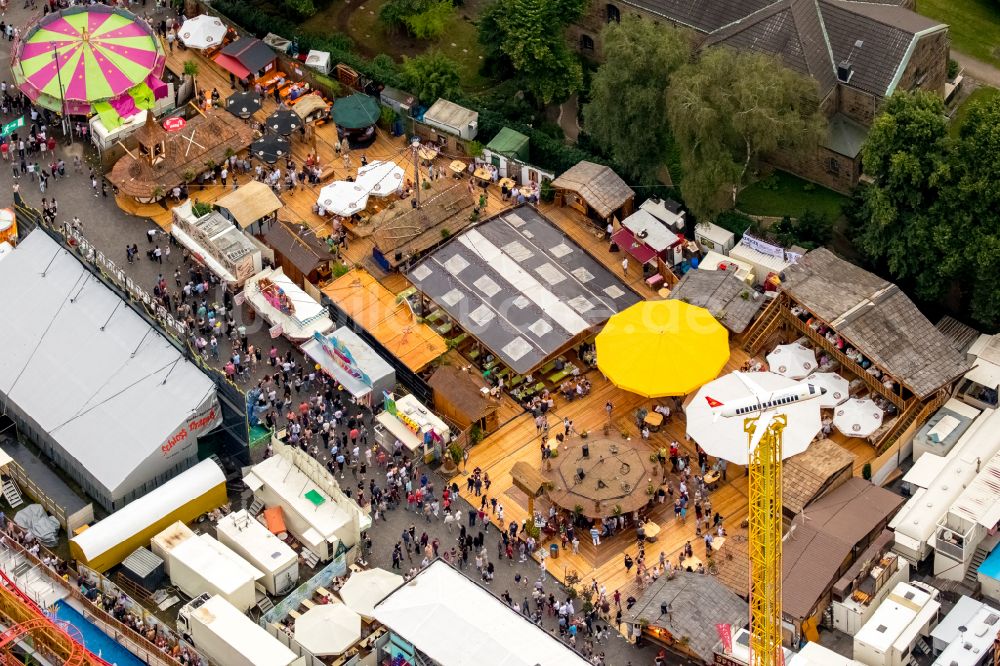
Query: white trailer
x,y
199,563
252,541
228,637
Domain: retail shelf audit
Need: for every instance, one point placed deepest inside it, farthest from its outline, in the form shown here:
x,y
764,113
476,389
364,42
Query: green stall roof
x,y
510,143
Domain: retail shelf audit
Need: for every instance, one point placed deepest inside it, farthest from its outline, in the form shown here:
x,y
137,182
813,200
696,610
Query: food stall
x,y
351,361
417,427
646,238
290,310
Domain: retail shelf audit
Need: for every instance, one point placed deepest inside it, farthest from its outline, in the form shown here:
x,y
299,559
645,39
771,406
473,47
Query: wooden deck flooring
x,y
299,203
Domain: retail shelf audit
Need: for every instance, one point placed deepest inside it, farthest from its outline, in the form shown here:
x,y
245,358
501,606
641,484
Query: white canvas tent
x,y
329,629
100,391
364,589
440,604
319,60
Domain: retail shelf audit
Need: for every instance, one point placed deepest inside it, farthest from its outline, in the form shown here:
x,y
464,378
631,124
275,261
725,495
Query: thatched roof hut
x,y
404,233
206,139
603,191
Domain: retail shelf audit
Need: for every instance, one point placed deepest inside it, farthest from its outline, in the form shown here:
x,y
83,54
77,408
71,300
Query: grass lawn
x,y
974,25
784,194
981,94
459,41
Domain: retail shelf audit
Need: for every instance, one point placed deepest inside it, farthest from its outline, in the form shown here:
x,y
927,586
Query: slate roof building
x,y
858,52
723,294
694,604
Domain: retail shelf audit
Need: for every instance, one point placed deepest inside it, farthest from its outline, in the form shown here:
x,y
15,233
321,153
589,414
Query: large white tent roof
x,y
328,629
440,604
106,386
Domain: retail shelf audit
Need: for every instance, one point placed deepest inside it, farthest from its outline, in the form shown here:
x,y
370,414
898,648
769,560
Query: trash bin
x,y
554,551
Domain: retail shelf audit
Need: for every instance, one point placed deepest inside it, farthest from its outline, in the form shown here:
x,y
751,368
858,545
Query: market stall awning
x,y
328,629
636,248
661,348
251,202
231,64
364,589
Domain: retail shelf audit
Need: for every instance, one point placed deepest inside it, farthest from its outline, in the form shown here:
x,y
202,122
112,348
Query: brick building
x,y
858,53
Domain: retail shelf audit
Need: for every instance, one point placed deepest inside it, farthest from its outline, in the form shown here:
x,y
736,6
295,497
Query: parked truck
x,y
228,637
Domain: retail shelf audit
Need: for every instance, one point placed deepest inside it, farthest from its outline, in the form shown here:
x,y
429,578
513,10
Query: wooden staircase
x,y
767,323
12,493
914,415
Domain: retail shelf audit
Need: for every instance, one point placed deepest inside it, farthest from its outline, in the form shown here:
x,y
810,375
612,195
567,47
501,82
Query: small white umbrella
x,y
725,437
858,417
792,360
364,589
381,179
837,388
328,629
343,198
202,32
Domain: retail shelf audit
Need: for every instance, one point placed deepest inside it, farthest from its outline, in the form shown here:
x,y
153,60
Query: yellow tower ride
x,y
765,538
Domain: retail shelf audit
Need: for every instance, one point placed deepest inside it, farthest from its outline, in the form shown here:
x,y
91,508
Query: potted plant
x,y
618,509
452,459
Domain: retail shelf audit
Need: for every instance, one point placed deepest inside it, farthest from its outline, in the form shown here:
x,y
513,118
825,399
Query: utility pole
x,y
66,124
415,144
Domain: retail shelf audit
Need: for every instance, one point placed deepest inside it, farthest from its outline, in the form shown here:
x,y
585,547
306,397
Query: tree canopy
x,y
530,34
626,115
728,109
423,19
430,76
930,214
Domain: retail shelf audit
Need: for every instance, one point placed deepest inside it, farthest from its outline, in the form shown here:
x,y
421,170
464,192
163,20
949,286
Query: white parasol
x,y
724,436
836,388
202,32
328,629
343,198
792,360
858,417
380,179
364,589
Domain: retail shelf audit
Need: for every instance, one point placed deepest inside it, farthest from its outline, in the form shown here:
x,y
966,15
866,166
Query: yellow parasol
x,y
661,348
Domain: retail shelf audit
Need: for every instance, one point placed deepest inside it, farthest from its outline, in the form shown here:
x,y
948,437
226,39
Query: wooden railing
x,y
141,646
911,419
765,325
872,383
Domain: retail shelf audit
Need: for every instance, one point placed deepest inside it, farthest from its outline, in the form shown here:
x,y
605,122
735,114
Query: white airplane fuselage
x,y
776,399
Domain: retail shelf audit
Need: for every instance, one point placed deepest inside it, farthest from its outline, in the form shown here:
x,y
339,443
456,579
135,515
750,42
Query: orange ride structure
x,y
58,642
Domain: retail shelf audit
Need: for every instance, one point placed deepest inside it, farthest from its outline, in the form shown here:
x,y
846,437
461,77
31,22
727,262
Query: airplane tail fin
x,y
712,402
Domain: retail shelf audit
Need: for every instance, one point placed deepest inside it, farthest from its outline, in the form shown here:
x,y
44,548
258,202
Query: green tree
x,y
728,109
423,19
906,155
191,70
531,35
631,127
430,76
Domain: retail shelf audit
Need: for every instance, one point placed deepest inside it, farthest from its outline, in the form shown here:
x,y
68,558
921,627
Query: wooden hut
x,y
458,396
303,257
594,190
404,233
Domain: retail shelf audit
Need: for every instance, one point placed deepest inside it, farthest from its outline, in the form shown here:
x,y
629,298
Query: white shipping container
x,y
228,637
254,542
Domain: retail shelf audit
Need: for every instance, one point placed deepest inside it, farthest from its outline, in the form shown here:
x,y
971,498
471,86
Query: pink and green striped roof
x,y
101,55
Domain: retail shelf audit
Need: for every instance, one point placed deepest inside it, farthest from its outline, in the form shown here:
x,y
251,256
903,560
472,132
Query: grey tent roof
x,y
251,53
107,387
877,318
695,603
599,185
722,294
520,286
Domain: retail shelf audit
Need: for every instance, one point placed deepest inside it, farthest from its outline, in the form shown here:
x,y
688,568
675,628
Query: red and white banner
x,y
726,636
276,331
240,298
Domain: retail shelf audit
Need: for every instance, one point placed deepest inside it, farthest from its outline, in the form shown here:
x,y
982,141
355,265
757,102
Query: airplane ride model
x,y
762,399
